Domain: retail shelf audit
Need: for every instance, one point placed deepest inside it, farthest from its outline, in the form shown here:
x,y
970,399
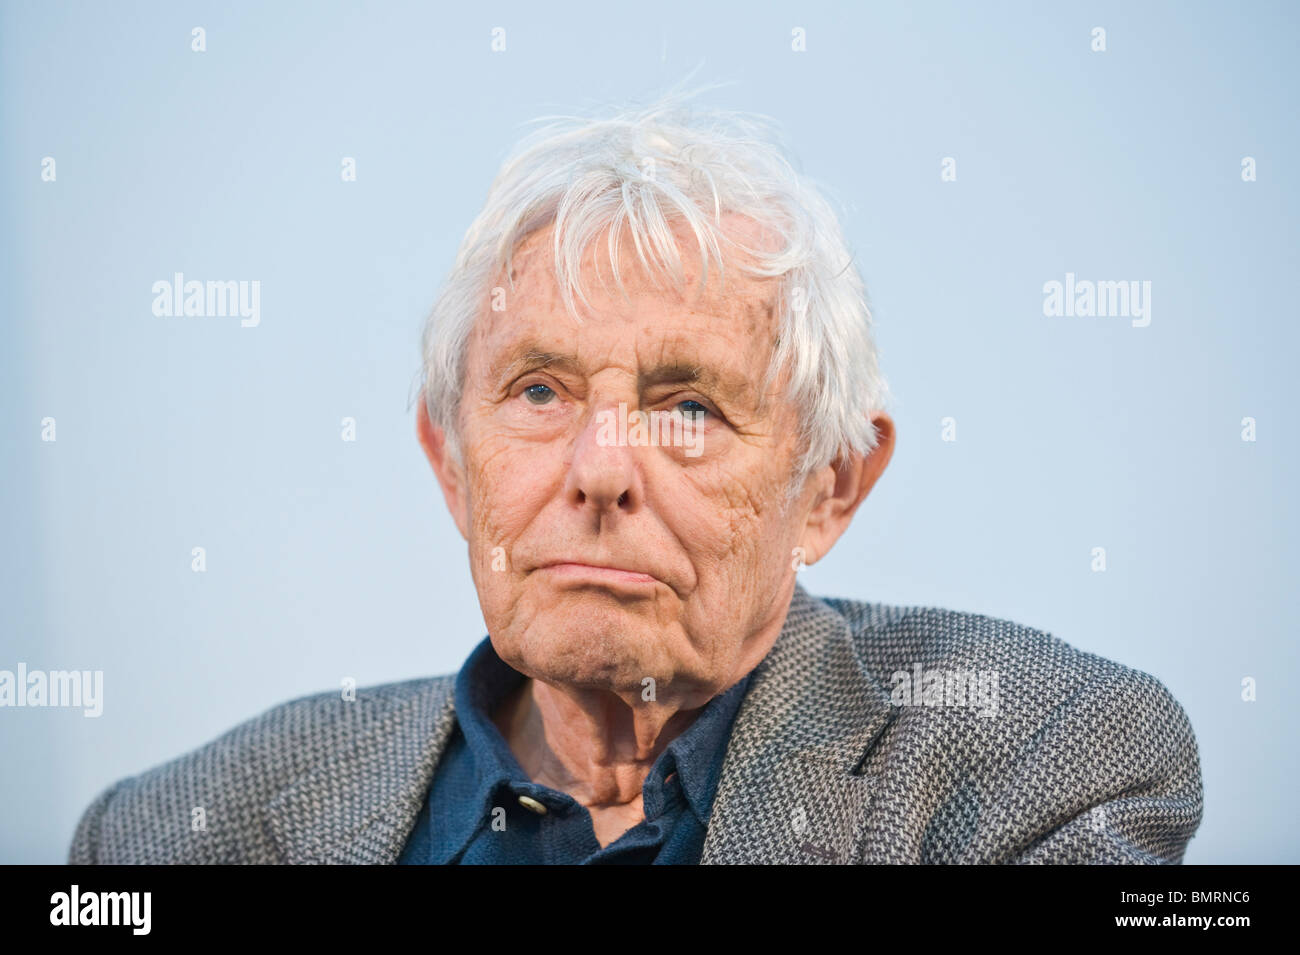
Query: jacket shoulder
x,y
1070,758
207,806
890,639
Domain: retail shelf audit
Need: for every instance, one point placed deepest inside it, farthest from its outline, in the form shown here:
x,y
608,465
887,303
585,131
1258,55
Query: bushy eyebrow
x,y
527,357
682,373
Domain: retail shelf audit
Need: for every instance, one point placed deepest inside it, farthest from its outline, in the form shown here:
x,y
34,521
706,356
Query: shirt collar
x,y
482,683
696,754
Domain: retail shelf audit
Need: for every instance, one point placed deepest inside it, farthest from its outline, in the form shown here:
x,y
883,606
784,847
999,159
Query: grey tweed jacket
x,y
1085,761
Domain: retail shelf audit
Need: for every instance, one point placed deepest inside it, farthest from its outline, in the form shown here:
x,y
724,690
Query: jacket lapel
x,y
361,799
790,790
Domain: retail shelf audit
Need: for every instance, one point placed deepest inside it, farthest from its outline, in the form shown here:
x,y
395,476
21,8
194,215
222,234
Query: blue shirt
x,y
476,787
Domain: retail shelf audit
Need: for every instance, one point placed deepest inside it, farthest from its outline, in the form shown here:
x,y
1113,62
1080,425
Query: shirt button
x,y
531,804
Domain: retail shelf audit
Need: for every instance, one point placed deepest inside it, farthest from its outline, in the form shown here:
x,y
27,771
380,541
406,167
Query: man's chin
x,y
613,655
598,613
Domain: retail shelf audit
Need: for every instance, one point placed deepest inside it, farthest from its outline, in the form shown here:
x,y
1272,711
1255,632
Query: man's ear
x,y
451,476
847,484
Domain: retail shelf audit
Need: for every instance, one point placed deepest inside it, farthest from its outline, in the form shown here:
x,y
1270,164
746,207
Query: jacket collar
x,y
359,801
792,790
809,718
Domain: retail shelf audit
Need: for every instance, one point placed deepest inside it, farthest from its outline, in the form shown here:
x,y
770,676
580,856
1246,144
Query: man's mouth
x,y
597,573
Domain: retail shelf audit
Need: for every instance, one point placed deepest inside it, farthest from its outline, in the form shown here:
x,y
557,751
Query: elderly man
x,y
650,396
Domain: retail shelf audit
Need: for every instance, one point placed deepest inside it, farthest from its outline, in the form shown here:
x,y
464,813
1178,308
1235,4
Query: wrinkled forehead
x,y
725,329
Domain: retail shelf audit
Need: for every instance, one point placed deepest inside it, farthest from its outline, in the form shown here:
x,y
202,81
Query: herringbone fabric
x,y
1085,761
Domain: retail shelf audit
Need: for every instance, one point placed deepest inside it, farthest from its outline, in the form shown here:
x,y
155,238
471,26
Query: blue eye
x,y
539,394
695,412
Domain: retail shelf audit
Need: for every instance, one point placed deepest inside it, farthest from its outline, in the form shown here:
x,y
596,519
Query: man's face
x,y
699,538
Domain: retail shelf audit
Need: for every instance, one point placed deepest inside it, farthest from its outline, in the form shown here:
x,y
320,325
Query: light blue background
x,y
329,560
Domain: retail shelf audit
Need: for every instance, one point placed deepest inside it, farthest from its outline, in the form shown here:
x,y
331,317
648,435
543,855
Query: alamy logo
x,y
977,689
1086,299
102,908
194,299
640,429
83,688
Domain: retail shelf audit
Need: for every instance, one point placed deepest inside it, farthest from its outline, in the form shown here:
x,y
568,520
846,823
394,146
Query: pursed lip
x,y
578,570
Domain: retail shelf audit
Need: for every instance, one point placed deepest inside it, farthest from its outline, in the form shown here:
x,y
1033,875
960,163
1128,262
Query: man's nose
x,y
604,475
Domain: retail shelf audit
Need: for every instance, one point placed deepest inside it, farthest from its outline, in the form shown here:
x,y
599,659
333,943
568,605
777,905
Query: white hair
x,y
639,169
